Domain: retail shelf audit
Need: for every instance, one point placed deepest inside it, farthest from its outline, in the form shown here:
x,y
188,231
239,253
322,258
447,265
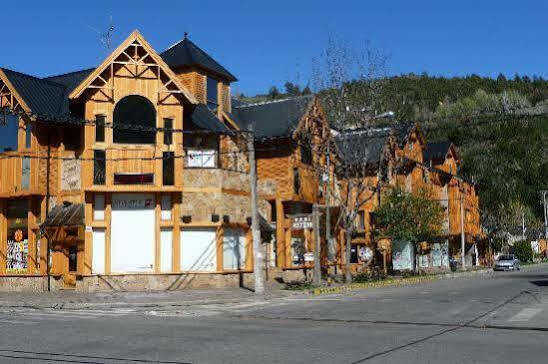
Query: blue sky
x,y
265,43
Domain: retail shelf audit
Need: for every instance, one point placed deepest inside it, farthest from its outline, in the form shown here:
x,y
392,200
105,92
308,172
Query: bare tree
x,y
349,83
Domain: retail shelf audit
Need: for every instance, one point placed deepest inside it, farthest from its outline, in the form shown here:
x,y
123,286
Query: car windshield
x,y
506,257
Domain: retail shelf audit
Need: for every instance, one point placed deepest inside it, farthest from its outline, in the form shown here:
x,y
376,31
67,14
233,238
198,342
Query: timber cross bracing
x,y
139,60
8,99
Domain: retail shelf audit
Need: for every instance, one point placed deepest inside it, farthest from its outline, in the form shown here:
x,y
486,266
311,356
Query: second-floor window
x,y
306,154
134,121
201,151
201,158
100,128
28,136
168,131
296,181
212,94
9,128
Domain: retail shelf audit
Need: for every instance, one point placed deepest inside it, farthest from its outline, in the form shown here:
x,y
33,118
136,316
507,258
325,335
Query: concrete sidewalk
x,y
133,300
173,300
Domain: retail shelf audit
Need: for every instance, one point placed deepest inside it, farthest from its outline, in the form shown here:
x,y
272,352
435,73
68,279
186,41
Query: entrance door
x,y
133,228
199,250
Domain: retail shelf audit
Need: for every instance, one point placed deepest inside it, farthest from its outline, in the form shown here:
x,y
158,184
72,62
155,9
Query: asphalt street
x,y
499,318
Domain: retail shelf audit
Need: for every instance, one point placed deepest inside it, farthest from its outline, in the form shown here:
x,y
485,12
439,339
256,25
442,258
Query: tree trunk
x,y
348,273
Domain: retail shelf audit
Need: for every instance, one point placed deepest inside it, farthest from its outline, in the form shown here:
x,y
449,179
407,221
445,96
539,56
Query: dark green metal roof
x,y
186,53
202,118
272,119
436,151
42,96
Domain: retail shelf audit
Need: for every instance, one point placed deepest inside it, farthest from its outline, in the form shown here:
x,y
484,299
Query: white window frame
x,y
201,158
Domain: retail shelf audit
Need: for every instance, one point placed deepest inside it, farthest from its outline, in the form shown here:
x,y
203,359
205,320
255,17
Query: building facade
x,y
130,172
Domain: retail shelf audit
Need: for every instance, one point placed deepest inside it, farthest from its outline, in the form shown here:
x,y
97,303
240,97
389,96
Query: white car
x,y
507,262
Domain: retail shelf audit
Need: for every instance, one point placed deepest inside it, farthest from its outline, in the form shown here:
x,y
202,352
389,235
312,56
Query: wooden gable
x,y
9,97
134,58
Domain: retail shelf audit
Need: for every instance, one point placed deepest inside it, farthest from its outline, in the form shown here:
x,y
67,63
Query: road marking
x,y
526,314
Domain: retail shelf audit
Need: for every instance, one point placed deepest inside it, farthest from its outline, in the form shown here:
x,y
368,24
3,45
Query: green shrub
x,y
523,251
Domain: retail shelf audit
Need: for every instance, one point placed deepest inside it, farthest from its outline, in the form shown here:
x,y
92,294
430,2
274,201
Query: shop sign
x,y
309,257
135,203
301,222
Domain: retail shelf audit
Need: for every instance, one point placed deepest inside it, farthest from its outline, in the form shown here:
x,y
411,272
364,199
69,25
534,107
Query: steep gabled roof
x,y
70,81
437,151
362,146
186,53
272,119
42,97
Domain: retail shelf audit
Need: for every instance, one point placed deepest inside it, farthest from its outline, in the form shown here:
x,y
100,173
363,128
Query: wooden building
x,y
289,139
400,156
132,172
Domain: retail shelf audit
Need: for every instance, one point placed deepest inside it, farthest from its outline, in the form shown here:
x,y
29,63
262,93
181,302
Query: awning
x,y
66,214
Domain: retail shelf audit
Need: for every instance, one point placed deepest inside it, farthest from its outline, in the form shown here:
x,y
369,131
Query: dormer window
x,y
212,94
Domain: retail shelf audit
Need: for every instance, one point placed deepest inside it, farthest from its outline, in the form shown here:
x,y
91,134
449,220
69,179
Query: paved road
x,y
500,319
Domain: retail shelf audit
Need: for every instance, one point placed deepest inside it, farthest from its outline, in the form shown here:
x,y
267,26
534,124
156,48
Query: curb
x,y
379,284
391,282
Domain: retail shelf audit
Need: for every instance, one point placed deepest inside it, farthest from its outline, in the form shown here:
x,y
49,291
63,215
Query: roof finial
x,y
186,35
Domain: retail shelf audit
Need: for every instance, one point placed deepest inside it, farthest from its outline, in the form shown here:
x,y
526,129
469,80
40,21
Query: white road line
x,y
525,315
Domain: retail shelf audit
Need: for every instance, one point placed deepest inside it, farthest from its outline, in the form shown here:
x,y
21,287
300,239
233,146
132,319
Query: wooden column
x,y
157,240
88,235
31,223
287,248
176,215
108,218
280,233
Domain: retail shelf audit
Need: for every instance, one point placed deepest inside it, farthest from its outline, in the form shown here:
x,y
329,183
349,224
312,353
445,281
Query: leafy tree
x,y
406,216
273,93
292,89
523,251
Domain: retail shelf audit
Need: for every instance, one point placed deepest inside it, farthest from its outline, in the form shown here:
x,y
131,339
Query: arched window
x,y
134,121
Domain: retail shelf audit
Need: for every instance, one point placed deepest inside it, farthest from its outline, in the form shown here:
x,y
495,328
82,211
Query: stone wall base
x,y
29,283
163,282
154,282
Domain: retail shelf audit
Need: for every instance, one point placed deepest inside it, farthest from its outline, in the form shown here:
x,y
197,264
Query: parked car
x,y
507,262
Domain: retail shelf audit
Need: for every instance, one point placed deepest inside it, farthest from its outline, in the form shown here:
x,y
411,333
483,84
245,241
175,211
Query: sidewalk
x,y
133,300
173,300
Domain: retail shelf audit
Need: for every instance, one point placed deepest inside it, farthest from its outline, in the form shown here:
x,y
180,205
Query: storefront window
x,y
17,238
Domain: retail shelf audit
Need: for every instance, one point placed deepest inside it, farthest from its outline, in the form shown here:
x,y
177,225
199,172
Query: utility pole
x,y
523,225
317,245
330,247
48,167
462,240
256,234
544,192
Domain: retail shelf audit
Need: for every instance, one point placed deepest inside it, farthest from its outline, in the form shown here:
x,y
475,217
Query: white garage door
x,y
199,250
133,229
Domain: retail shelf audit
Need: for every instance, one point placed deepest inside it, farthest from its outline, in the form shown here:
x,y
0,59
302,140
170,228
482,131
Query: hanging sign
x,y
301,222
